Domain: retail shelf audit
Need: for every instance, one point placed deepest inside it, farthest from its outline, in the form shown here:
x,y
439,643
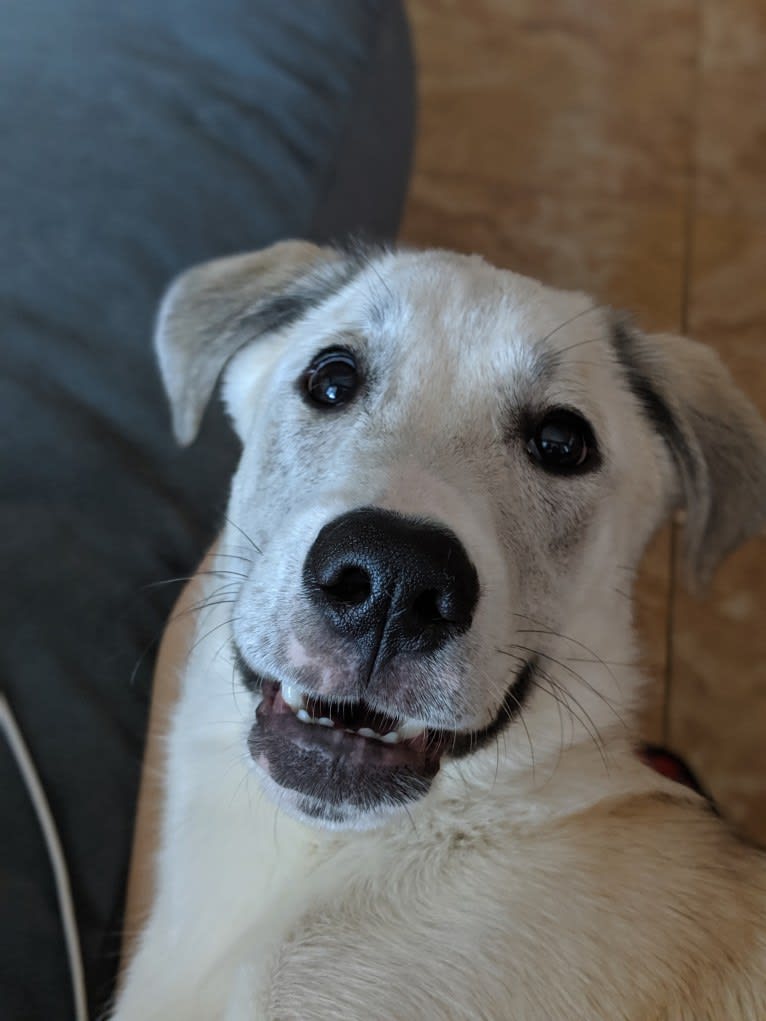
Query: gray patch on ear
x,y
714,434
213,310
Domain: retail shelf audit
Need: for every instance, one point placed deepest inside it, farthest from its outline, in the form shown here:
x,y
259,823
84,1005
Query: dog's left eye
x,y
332,379
562,442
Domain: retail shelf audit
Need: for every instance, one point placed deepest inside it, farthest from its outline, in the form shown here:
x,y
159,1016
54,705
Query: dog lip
x,y
343,774
516,696
452,743
340,773
250,678
275,714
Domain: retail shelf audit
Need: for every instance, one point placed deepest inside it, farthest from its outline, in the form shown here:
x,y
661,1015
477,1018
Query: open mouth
x,y
351,717
343,761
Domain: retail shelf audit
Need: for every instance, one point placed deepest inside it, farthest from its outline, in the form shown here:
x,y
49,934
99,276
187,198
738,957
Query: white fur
x,y
549,875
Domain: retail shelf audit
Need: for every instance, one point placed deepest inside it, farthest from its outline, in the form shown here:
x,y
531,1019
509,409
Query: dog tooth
x,y
390,738
292,695
325,721
366,732
409,730
303,716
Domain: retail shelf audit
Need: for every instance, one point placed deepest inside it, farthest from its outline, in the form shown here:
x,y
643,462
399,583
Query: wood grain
x,y
621,149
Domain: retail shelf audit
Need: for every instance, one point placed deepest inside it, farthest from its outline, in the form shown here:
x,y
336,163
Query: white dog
x,y
401,777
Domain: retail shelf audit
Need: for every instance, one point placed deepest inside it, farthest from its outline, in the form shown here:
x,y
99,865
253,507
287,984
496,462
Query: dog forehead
x,y
457,311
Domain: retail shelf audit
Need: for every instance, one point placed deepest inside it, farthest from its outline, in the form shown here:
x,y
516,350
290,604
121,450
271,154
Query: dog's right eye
x,y
332,379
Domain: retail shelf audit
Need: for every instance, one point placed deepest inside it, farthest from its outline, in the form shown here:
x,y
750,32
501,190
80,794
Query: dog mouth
x,y
353,726
346,763
353,717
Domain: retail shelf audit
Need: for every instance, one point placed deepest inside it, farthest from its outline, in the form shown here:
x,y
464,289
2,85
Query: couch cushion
x,y
139,138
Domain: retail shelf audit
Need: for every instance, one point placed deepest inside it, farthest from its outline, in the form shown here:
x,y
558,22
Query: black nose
x,y
392,584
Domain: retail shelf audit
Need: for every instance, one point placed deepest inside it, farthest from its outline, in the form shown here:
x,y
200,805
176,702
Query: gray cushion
x,y
139,138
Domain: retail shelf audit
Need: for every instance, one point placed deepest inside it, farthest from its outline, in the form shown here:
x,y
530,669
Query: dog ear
x,y
212,310
716,437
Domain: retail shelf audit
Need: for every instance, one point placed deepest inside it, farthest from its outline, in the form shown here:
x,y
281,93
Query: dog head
x,y
449,473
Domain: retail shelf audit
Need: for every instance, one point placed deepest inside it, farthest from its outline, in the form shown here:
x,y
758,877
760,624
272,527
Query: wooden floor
x,y
621,149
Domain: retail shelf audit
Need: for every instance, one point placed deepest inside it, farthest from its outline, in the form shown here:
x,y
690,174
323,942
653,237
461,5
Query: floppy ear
x,y
213,310
715,435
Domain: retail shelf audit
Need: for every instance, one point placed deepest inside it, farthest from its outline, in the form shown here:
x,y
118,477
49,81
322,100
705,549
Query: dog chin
x,y
320,814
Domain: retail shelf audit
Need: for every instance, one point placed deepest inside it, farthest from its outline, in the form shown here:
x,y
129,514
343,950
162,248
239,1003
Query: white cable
x,y
26,766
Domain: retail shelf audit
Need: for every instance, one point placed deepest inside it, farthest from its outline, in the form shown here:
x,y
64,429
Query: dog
x,y
401,775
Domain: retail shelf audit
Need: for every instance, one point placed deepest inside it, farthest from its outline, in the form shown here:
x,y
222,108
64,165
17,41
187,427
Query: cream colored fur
x,y
549,876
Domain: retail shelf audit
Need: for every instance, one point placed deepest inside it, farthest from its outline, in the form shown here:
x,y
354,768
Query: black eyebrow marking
x,y
289,305
651,402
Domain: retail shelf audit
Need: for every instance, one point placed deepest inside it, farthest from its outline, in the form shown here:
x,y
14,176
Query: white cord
x,y
26,766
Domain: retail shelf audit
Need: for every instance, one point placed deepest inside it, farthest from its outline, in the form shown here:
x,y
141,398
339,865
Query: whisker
x,y
360,254
589,726
580,343
204,604
567,322
233,556
244,534
599,694
574,641
604,662
191,577
140,661
176,616
210,632
223,593
520,716
220,648
587,723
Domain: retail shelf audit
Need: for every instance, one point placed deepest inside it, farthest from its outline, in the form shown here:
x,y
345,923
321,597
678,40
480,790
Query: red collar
x,y
669,765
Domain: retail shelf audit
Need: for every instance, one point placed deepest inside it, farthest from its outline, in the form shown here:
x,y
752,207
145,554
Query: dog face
x,y
450,472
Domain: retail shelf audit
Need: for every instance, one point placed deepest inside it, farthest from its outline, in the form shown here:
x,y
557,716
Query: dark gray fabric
x,y
139,138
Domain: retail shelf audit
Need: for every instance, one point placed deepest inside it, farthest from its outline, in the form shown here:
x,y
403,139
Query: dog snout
x,y
391,584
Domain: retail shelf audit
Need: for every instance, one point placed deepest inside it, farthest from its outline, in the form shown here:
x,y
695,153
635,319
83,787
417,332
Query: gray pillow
x,y
139,138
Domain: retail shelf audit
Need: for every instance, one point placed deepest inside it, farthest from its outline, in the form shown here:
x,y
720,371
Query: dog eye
x,y
562,442
332,379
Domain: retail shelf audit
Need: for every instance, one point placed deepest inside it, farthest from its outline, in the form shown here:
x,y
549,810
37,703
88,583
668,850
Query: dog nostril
x,y
427,608
350,586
